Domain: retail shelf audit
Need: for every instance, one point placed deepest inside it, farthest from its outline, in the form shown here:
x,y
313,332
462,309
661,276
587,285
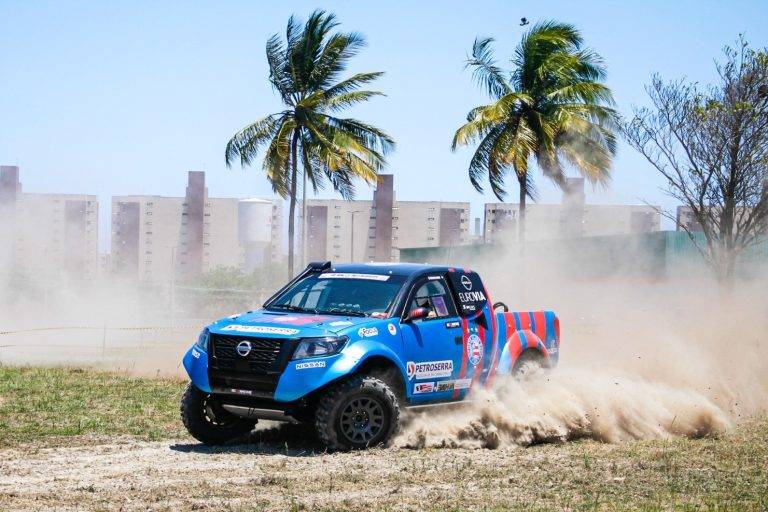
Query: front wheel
x,y
357,413
207,421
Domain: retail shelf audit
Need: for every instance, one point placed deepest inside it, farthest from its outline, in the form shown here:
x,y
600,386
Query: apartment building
x,y
343,231
156,237
571,218
47,236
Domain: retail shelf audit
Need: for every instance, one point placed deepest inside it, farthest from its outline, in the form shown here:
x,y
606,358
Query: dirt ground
x,y
88,473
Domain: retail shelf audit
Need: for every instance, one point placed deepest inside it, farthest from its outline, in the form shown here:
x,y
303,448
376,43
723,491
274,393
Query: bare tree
x,y
711,146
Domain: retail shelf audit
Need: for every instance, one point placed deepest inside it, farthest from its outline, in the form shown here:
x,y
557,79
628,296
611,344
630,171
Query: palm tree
x,y
552,107
306,70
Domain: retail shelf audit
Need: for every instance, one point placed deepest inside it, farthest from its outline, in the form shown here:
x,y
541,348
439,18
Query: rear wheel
x,y
207,421
528,363
357,413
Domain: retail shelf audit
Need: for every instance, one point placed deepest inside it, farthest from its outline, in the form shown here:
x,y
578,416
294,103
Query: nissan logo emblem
x,y
466,282
244,348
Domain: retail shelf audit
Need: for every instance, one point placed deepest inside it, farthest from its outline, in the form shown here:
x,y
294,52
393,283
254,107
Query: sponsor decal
x,y
452,325
392,329
367,332
450,385
552,350
423,387
298,320
474,349
340,323
242,391
260,329
345,275
195,354
462,383
471,296
469,292
310,364
429,369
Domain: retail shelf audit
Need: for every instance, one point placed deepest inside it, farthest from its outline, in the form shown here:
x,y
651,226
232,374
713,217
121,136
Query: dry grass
x,y
109,465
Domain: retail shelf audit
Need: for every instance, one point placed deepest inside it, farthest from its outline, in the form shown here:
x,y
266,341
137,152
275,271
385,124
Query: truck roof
x,y
399,269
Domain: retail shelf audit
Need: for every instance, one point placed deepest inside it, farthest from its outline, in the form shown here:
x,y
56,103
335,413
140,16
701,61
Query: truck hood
x,y
275,324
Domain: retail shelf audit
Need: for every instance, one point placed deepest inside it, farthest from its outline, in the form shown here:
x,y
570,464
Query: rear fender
x,y
517,343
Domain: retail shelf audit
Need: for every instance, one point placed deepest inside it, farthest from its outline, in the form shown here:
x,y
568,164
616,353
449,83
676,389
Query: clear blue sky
x,y
115,98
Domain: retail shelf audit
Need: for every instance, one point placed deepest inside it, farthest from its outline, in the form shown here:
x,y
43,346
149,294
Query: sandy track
x,y
129,475
124,474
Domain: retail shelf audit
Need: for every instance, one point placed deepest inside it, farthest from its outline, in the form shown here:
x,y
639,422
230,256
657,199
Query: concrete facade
x,y
155,238
572,218
344,231
49,237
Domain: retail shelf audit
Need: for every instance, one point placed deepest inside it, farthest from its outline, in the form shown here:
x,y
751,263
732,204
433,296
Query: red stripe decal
x,y
494,343
477,371
464,337
541,324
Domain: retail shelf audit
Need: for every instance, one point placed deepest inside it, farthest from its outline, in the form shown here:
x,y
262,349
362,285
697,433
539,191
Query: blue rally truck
x,y
346,347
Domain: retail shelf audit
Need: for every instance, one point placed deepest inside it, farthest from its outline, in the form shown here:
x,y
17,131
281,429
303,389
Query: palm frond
x,y
485,72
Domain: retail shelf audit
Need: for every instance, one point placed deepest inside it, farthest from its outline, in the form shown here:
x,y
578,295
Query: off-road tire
x,y
530,361
328,416
198,416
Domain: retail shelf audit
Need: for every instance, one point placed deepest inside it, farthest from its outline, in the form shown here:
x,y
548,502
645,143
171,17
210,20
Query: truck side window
x,y
434,296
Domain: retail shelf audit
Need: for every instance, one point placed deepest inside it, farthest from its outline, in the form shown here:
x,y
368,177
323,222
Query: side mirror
x,y
417,314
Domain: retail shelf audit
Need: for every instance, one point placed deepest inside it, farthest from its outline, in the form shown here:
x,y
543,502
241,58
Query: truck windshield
x,y
341,294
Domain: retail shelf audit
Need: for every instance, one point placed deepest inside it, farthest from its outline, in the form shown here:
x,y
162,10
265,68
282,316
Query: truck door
x,y
433,344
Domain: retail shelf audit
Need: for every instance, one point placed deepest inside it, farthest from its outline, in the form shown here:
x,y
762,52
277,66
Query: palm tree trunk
x,y
292,205
521,215
304,219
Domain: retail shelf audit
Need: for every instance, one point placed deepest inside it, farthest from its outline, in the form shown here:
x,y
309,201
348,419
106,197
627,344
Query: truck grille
x,y
263,355
257,372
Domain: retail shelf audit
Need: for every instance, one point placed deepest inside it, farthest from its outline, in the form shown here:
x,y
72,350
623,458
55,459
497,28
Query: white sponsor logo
x,y
195,354
462,383
429,369
260,329
471,296
367,332
310,364
340,323
423,387
392,329
466,282
344,275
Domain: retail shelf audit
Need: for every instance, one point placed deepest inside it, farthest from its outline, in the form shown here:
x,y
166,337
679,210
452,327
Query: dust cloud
x,y
640,358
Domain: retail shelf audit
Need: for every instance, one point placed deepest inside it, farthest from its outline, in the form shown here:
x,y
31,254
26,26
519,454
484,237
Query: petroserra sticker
x,y
367,332
310,364
392,329
429,369
474,349
260,329
423,387
345,275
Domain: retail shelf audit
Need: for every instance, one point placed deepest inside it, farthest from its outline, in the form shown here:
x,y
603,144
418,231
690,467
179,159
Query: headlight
x,y
202,340
316,347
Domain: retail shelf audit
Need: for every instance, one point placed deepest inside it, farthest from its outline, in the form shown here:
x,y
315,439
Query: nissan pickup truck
x,y
347,347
